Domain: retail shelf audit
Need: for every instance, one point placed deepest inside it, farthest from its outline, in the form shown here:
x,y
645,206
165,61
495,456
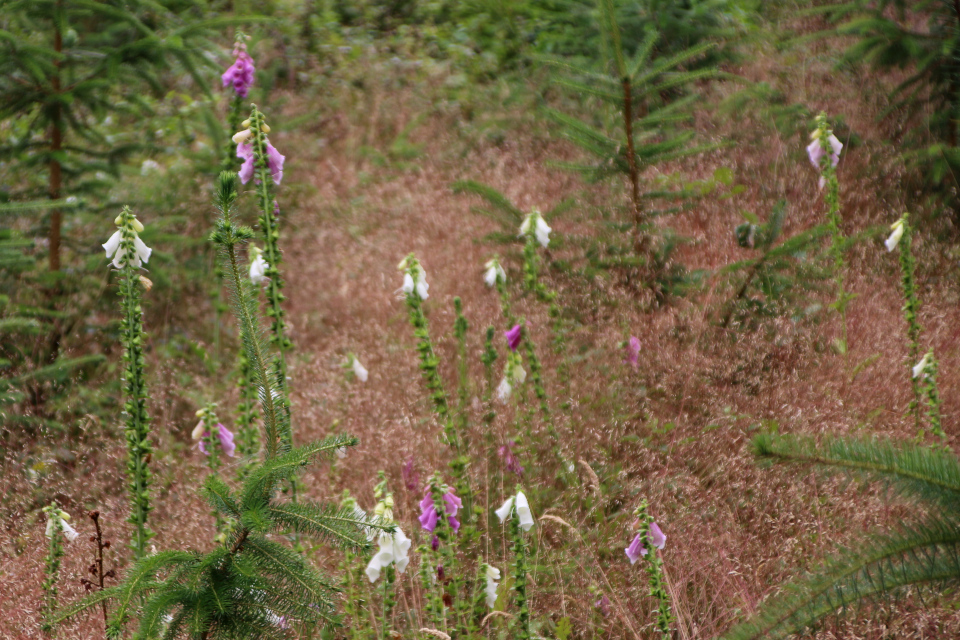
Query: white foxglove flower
x,y
921,367
522,507
258,266
393,549
69,532
341,452
493,574
493,273
895,236
359,370
540,228
523,512
504,390
418,285
198,430
114,250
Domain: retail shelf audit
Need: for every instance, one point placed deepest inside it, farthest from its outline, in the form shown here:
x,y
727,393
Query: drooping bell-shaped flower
x,y
245,152
534,221
509,459
114,246
513,336
258,266
816,150
428,510
920,368
241,73
603,606
226,440
513,374
60,516
517,504
633,352
393,550
358,369
493,272
895,235
636,550
492,575
414,278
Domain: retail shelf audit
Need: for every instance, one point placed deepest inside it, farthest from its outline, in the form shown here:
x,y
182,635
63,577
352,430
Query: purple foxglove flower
x,y
453,504
603,604
657,538
510,461
240,73
226,441
275,163
633,352
245,153
428,512
435,543
513,336
636,550
411,479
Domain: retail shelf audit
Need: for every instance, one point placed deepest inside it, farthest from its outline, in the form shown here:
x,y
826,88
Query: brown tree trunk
x,y
56,144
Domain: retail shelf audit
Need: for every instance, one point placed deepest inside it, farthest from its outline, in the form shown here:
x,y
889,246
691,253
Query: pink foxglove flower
x,y
226,441
428,510
636,550
411,479
603,605
816,151
513,336
274,162
633,352
510,461
240,73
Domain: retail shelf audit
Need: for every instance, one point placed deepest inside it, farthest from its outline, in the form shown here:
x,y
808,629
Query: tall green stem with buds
x,y
134,408
52,562
210,436
248,433
911,305
521,552
838,241
270,234
654,568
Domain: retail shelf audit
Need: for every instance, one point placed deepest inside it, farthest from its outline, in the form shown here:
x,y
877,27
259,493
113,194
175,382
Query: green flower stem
x,y
52,565
933,397
911,308
234,118
488,357
270,231
520,570
211,442
432,603
654,568
838,241
134,408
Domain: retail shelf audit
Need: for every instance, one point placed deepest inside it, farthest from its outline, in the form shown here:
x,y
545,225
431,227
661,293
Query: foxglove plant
x,y
212,438
535,231
356,369
901,237
824,154
515,512
128,253
56,524
648,541
264,163
238,78
925,373
439,509
414,292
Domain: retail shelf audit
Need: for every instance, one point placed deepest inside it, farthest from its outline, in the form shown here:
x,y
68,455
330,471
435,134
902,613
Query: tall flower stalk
x,y
237,79
264,164
648,542
248,433
901,237
128,253
824,153
415,291
56,524
515,512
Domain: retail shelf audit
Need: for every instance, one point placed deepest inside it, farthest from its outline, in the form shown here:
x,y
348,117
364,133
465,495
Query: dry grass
x,y
736,531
